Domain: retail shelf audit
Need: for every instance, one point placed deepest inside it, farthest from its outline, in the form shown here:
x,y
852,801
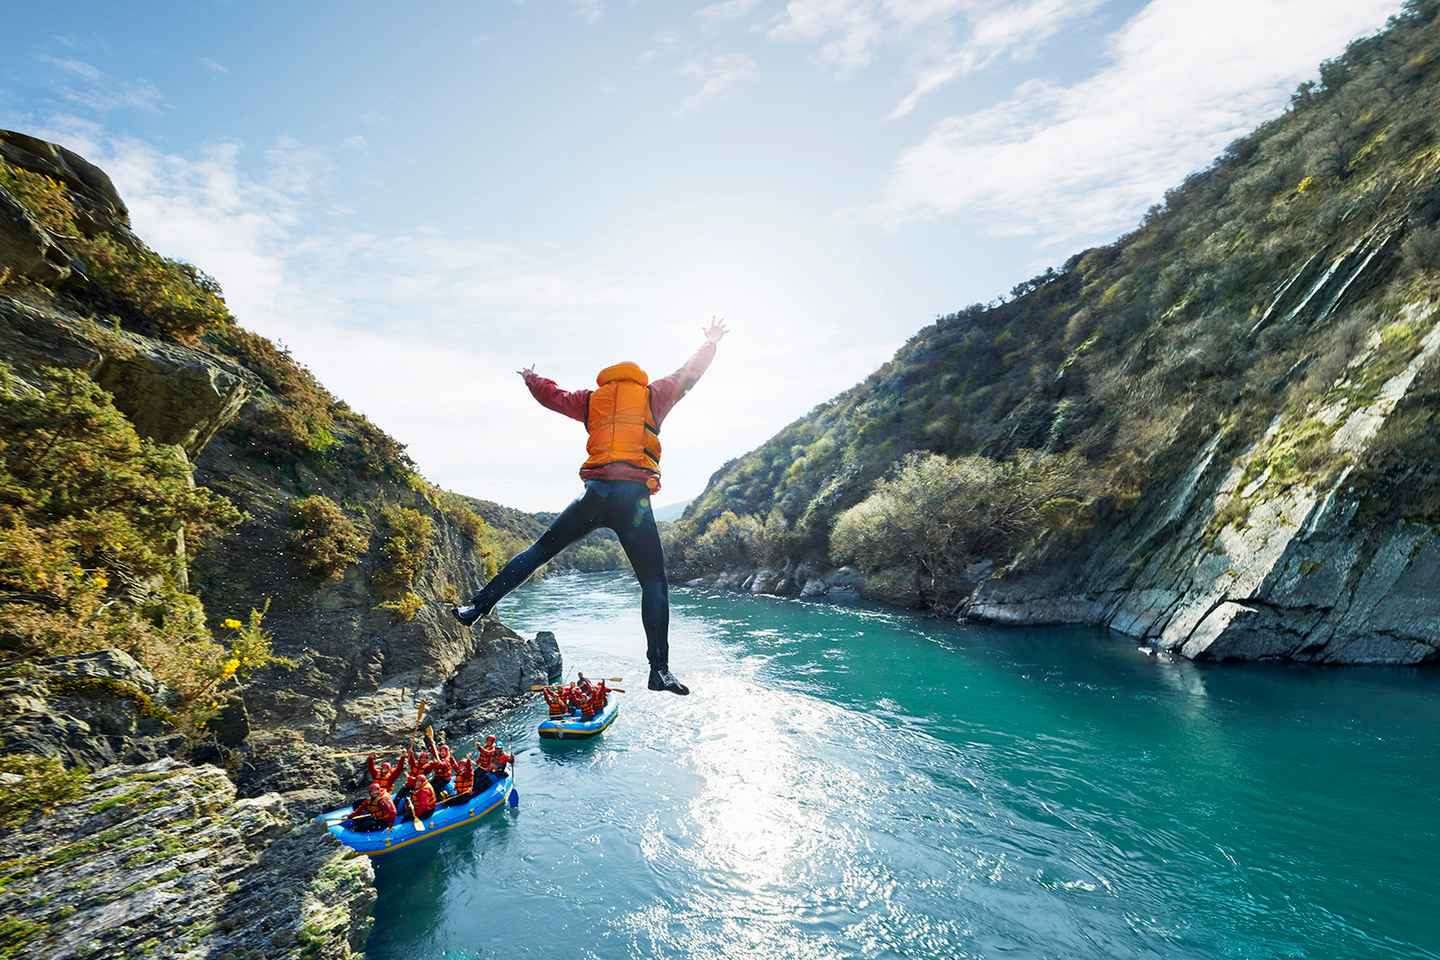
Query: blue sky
x,y
419,199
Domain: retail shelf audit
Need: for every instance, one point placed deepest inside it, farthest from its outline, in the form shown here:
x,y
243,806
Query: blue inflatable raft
x,y
573,728
403,833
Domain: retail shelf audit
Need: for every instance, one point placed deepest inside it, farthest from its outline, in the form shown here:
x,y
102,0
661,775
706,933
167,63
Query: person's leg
x,y
634,523
576,520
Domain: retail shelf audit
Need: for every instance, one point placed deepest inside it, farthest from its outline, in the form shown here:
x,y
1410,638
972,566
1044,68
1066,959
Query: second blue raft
x,y
573,728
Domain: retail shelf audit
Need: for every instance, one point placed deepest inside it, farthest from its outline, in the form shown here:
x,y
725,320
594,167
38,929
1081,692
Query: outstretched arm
x,y
572,403
666,392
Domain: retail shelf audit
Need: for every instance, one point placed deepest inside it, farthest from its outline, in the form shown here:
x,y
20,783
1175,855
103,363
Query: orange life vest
x,y
622,426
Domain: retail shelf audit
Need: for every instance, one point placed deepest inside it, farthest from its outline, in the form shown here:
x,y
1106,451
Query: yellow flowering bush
x,y
223,673
406,607
88,514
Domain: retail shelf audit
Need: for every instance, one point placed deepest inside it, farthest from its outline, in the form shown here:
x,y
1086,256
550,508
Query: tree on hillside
x,y
936,515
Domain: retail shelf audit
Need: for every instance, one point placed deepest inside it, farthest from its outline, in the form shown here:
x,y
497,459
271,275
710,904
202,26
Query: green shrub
x,y
1422,248
299,422
407,533
45,198
44,784
88,520
729,541
458,511
936,515
153,294
149,292
251,648
406,606
596,552
327,541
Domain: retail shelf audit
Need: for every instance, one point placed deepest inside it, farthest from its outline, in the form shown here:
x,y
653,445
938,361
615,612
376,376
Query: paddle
x,y
419,715
352,753
537,687
514,790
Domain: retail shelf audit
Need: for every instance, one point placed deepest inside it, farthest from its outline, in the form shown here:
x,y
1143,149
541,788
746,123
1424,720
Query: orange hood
x,y
622,371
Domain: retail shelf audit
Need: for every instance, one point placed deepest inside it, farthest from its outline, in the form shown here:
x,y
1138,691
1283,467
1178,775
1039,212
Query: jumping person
x,y
623,416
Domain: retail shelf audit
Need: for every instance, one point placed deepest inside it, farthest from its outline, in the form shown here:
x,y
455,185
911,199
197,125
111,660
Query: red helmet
x,y
490,740
374,789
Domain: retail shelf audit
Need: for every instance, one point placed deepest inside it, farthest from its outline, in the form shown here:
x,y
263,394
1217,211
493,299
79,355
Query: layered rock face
x,y
90,710
1226,562
163,860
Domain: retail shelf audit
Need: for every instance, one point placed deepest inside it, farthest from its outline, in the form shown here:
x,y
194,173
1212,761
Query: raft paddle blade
x,y
514,798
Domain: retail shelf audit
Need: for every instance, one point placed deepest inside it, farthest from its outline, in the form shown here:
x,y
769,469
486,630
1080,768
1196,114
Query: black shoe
x,y
467,613
665,680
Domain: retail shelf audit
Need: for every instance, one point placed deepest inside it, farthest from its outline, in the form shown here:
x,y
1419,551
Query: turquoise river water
x,y
858,783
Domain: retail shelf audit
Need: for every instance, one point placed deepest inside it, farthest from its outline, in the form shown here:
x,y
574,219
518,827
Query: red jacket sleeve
x,y
370,766
667,391
574,404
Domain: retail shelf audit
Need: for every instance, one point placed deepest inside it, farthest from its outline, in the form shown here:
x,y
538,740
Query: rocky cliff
x,y
1248,381
180,691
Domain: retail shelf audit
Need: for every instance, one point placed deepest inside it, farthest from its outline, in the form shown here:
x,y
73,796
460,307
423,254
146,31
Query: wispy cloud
x,y
1009,31
296,168
215,66
1180,81
591,11
717,74
938,40
664,40
356,141
88,86
77,68
726,10
849,31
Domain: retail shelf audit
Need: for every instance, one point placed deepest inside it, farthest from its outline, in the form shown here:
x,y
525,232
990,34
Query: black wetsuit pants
x,y
624,507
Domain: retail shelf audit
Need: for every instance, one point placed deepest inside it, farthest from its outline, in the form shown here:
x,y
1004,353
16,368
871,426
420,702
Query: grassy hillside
x,y
1231,310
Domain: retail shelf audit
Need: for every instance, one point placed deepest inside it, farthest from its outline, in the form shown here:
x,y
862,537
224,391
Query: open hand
x,y
527,372
715,331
